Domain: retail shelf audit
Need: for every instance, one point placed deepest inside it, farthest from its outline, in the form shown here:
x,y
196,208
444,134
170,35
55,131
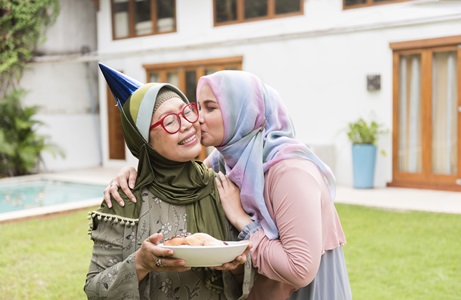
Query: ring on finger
x,y
158,262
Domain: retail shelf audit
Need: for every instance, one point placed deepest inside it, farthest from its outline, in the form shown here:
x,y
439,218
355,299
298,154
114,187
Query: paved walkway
x,y
388,198
402,199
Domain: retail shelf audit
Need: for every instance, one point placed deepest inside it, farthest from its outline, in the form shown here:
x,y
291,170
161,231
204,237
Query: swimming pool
x,y
37,193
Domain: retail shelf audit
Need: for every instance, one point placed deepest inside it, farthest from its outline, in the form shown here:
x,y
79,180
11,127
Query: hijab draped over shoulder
x,y
258,133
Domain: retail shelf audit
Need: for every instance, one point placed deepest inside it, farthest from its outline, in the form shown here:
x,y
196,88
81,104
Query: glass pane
x,y
226,10
121,18
165,15
410,129
143,21
209,71
154,77
191,85
287,6
232,67
354,2
173,78
255,8
444,113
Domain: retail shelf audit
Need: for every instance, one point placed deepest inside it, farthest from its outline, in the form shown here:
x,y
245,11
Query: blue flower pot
x,y
363,164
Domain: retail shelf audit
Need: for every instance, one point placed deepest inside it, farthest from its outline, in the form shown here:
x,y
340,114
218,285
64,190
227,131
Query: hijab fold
x,y
246,152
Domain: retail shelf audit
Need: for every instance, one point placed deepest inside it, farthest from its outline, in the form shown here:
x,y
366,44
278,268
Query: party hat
x,y
120,84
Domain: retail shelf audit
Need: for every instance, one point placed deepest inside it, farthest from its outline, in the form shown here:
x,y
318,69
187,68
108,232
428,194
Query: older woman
x,y
174,194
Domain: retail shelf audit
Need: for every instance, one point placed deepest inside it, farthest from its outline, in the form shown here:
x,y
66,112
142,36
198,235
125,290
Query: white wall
x,y
67,94
64,84
75,28
318,62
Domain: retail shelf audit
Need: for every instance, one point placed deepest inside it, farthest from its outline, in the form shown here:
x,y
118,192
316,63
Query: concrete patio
x,y
387,198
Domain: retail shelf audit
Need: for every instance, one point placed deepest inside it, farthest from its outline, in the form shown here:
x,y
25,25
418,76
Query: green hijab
x,y
180,183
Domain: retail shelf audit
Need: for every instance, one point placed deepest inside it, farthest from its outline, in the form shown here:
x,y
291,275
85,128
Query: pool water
x,y
41,192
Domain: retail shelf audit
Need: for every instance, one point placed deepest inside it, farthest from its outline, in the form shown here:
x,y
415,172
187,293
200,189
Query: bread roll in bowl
x,y
196,239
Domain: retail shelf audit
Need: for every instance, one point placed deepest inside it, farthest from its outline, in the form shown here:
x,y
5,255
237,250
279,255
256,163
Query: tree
x,y
22,27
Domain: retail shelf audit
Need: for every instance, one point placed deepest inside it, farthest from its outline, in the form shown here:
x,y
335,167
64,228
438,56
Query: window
x,y
427,105
362,3
132,18
185,75
237,11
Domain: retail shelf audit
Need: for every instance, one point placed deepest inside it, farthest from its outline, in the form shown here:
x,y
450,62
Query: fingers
x,y
125,180
125,188
155,238
238,261
107,197
222,178
111,189
162,260
167,264
132,177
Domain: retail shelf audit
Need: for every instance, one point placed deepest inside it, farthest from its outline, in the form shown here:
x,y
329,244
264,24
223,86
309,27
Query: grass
x,y
45,258
402,255
389,254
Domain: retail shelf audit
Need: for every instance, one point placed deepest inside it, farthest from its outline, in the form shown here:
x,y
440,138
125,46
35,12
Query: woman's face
x,y
211,121
181,146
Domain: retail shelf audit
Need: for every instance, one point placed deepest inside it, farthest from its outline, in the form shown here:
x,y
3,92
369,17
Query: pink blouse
x,y
300,204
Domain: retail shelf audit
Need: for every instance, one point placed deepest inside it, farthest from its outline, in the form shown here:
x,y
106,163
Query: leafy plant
x,y
363,132
20,144
22,24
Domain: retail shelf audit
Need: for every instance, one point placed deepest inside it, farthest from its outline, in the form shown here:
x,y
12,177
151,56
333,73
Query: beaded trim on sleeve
x,y
128,222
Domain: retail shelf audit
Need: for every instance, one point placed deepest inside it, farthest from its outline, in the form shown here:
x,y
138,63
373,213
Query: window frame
x,y
270,14
369,3
425,178
198,65
131,18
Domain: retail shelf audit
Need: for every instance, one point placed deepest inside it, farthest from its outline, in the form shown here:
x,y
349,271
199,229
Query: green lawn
x,y
402,255
390,255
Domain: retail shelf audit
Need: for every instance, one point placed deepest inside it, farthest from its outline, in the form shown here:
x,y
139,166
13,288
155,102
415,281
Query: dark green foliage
x,y
20,144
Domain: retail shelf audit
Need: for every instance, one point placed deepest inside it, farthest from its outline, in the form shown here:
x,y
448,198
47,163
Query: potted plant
x,y
364,136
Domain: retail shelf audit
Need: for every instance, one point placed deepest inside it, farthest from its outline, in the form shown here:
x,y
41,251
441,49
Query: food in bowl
x,y
196,239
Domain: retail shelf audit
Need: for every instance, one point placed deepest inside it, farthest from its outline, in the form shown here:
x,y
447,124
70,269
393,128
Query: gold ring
x,y
158,262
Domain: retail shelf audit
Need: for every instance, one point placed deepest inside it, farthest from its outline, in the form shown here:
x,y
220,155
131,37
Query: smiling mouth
x,y
187,140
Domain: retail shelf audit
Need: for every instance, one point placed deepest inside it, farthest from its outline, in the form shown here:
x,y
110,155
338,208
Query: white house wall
x,y
318,62
63,82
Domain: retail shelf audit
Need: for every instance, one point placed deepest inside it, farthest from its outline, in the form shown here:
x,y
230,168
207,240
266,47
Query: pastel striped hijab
x,y
258,133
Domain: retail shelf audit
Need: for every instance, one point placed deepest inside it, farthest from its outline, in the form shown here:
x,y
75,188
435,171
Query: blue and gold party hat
x,y
120,84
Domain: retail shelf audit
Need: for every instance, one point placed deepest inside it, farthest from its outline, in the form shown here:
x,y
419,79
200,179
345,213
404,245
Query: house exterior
x,y
332,61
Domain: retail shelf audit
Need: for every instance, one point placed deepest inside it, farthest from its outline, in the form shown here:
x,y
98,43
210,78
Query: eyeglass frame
x,y
178,115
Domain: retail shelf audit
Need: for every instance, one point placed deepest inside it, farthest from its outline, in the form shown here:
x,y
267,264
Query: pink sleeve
x,y
293,197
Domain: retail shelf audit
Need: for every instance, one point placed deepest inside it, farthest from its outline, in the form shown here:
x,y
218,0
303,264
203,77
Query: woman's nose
x,y
201,119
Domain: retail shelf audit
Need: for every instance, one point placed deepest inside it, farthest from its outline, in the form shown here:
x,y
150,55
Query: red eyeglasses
x,y
171,123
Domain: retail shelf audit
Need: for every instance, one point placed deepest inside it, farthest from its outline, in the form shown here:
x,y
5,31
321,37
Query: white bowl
x,y
208,256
